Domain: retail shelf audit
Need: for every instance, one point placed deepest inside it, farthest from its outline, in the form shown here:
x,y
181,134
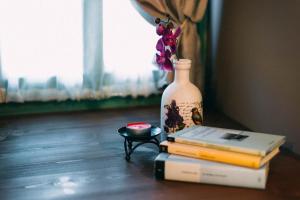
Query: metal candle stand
x,y
143,139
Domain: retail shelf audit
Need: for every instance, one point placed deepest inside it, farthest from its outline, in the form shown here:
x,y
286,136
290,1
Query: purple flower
x,y
167,44
163,60
160,29
167,66
160,59
160,45
168,53
173,49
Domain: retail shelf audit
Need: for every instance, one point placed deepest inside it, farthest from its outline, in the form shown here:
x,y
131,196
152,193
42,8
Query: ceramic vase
x,y
181,103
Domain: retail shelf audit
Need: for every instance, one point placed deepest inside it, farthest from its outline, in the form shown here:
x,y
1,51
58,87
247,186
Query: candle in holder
x,y
138,129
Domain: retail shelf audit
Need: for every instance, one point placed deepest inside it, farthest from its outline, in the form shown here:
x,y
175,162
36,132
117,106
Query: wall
x,y
258,66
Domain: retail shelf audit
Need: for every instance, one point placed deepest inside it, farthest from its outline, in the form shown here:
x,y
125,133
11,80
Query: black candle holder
x,y
140,139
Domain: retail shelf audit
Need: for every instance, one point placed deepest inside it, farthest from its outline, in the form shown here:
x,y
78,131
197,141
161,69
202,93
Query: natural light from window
x,y
129,40
41,39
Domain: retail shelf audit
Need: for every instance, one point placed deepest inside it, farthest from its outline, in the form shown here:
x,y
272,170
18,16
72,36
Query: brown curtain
x,y
185,13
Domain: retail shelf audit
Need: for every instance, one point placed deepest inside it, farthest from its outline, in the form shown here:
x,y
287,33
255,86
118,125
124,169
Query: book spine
x,y
216,146
178,170
159,169
211,154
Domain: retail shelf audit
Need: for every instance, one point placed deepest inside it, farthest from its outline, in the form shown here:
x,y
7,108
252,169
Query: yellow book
x,y
229,157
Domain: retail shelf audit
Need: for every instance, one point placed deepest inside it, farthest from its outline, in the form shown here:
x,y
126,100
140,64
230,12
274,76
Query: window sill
x,y
12,109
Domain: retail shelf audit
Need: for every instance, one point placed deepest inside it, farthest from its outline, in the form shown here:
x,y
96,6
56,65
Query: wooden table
x,y
80,156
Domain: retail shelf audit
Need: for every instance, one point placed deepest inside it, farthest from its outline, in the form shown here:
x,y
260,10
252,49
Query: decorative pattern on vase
x,y
182,115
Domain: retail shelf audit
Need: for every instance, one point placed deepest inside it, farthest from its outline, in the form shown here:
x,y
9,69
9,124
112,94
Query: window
x,y
129,41
42,39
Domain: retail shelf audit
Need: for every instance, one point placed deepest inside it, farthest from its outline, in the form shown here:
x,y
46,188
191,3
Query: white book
x,y
180,168
228,140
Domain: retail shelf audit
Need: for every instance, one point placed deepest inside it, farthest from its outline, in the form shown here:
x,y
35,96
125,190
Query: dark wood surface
x,y
80,156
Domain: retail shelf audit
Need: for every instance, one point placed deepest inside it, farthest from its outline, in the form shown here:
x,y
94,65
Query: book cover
x,y
228,139
229,157
179,168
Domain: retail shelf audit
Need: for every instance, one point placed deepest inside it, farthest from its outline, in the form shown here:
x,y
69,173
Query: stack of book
x,y
217,156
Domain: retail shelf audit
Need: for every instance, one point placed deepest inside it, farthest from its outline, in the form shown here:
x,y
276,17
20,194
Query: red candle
x,y
138,128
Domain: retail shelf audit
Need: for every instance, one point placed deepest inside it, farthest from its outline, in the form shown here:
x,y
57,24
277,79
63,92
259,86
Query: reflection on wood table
x,y
79,155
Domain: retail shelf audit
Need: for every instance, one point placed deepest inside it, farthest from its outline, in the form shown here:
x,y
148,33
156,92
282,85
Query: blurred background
x,y
254,71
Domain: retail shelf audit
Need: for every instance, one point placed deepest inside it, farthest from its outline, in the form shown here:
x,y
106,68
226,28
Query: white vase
x,y
181,103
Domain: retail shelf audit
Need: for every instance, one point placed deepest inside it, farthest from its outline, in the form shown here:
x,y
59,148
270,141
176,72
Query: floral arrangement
x,y
167,44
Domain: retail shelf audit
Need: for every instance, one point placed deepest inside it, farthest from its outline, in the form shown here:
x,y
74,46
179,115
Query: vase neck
x,y
182,75
182,71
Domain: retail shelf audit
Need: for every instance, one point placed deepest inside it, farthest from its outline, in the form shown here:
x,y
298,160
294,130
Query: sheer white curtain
x,y
74,49
129,47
